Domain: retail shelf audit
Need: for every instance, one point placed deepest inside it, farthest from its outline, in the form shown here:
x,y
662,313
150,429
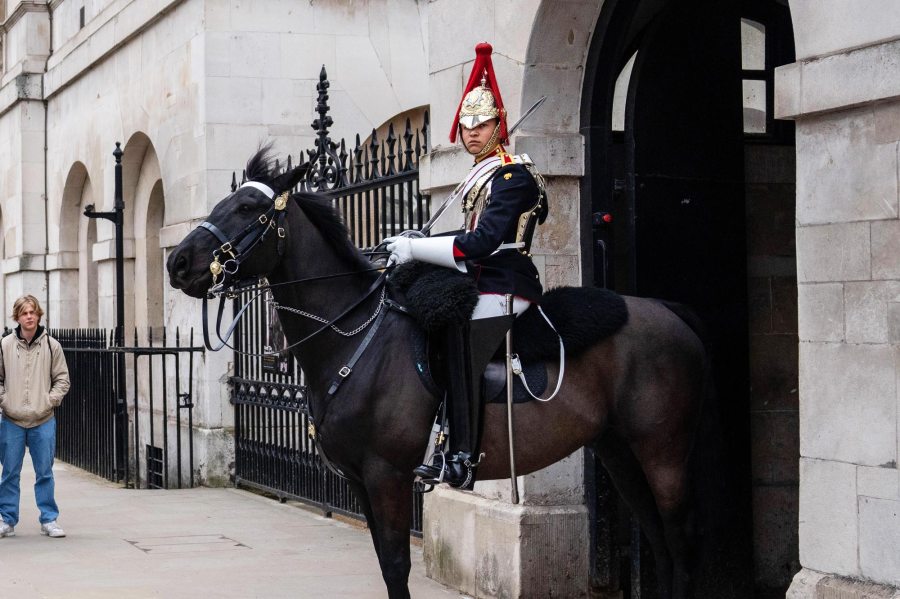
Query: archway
x,y
149,262
144,213
80,239
682,153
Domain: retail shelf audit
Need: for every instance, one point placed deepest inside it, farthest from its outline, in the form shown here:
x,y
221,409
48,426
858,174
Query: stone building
x,y
748,153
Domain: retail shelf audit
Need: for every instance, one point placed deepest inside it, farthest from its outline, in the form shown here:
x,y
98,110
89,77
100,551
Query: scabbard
x,y
514,489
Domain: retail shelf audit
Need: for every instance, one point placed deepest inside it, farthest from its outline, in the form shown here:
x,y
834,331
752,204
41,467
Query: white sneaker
x,y
7,530
52,529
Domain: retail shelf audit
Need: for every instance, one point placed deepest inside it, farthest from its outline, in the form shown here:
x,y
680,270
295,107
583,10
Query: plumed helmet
x,y
481,99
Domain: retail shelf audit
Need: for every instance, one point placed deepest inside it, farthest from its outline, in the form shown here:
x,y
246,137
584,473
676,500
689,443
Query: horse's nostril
x,y
180,265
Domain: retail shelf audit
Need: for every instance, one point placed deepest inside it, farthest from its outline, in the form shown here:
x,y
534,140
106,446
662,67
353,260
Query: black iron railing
x,y
86,421
376,185
162,405
376,189
274,453
129,436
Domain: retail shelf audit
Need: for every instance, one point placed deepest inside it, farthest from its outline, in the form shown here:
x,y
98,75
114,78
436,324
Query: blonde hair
x,y
19,306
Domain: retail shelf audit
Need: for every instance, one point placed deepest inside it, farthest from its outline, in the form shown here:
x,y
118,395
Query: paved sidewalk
x,y
192,543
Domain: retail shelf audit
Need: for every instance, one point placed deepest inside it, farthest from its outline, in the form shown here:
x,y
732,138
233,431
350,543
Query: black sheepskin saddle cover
x,y
438,297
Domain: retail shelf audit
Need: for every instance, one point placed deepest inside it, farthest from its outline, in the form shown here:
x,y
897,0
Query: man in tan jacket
x,y
34,379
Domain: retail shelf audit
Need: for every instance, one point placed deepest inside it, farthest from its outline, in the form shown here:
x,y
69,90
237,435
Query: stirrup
x,y
433,474
445,472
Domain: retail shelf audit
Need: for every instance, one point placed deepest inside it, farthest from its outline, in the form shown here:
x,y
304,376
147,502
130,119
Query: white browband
x,y
270,193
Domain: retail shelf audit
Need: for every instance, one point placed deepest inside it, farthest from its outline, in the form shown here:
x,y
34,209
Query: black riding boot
x,y
468,349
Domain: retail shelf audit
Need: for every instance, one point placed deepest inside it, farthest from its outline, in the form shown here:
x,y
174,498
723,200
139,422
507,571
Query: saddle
x,y
438,297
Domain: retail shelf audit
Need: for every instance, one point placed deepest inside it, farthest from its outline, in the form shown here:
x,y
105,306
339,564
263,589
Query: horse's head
x,y
242,236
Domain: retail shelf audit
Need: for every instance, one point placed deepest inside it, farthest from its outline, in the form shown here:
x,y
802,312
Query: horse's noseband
x,y
238,247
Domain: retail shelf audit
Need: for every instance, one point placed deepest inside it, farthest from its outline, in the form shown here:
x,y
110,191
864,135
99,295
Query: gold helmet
x,y
481,100
478,106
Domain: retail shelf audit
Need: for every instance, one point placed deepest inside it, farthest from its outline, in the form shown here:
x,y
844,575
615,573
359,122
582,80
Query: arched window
x,y
764,46
755,77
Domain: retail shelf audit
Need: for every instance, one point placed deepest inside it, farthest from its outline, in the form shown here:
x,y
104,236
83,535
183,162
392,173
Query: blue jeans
x,y
41,442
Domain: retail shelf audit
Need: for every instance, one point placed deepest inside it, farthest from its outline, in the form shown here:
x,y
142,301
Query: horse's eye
x,y
244,208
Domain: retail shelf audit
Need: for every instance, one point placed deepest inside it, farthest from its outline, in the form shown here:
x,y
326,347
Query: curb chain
x,y
325,320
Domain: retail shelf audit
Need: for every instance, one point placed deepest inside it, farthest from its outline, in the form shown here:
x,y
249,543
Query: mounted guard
x,y
503,200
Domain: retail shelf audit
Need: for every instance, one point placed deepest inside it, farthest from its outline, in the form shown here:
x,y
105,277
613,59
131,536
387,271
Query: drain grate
x,y
186,544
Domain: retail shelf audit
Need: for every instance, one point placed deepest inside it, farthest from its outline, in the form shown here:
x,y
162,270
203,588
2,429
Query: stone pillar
x,y
104,254
62,270
213,413
23,126
486,546
847,107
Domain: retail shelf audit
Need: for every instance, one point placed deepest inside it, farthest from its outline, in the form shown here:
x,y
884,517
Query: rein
x,y
238,247
379,282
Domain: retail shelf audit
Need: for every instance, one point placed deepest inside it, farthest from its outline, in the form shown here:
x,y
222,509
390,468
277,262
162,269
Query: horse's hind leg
x,y
665,468
629,480
668,482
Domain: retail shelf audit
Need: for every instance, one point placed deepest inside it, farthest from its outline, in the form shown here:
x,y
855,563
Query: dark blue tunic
x,y
509,270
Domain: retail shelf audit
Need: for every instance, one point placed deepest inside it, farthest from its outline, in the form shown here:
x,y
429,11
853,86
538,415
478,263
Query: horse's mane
x,y
261,166
321,212
319,209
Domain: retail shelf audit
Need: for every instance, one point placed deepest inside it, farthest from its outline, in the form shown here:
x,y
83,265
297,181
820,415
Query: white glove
x,y
400,249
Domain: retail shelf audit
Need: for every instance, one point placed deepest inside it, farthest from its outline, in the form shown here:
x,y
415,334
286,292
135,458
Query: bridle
x,y
238,248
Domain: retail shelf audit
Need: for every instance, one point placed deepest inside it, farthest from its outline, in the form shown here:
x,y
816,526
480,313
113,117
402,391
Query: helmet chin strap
x,y
491,144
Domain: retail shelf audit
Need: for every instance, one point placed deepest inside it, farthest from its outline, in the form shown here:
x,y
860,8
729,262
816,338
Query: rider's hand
x,y
400,249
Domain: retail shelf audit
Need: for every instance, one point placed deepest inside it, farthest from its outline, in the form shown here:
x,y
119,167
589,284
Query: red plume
x,y
482,67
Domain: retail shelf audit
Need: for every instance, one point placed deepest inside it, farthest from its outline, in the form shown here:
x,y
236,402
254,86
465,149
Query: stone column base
x,y
809,584
487,548
213,456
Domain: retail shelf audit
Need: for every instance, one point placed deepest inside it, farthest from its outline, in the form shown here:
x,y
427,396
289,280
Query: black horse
x,y
636,394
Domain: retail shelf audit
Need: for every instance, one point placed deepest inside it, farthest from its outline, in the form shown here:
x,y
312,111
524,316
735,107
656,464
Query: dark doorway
x,y
689,186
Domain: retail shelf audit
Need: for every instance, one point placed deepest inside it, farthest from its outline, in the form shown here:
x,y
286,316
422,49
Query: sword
x,y
527,114
425,229
514,491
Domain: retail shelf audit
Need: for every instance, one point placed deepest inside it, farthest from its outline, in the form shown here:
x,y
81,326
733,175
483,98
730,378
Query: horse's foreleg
x,y
362,497
390,500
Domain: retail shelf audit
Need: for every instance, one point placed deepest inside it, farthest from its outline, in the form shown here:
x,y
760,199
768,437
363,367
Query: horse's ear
x,y
289,180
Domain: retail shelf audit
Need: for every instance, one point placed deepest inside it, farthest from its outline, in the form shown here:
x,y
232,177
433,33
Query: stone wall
x,y
844,93
190,88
